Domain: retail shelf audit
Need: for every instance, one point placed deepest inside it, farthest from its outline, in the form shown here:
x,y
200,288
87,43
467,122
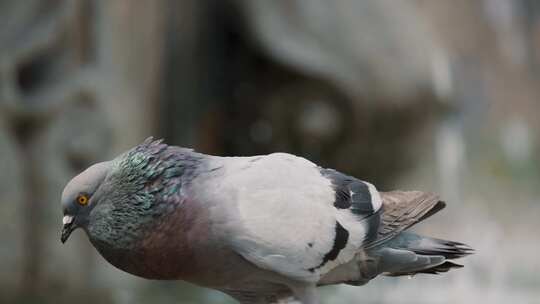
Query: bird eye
x,y
82,199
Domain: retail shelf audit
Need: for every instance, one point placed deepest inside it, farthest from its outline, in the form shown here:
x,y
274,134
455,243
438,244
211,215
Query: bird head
x,y
79,197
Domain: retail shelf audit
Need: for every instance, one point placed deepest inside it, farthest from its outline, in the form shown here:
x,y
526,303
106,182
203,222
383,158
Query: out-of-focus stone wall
x,y
73,92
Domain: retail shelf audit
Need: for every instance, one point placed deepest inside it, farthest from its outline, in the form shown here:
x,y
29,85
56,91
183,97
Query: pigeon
x,y
262,229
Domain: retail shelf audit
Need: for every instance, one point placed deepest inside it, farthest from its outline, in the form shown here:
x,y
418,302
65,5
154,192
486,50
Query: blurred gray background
x,y
435,95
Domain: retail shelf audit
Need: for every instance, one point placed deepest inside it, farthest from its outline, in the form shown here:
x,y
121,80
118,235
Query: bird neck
x,y
161,248
144,214
146,184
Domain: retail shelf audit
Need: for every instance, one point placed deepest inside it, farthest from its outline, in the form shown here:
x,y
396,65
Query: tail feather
x,y
440,252
430,246
448,249
444,267
396,252
406,254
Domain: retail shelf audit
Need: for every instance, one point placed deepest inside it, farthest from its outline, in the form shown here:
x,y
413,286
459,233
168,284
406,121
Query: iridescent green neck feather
x,y
144,185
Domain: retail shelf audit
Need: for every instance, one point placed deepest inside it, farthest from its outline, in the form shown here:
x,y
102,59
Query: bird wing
x,y
401,210
285,214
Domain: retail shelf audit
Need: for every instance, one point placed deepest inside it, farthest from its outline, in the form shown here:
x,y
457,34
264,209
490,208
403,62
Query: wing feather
x,y
401,210
281,216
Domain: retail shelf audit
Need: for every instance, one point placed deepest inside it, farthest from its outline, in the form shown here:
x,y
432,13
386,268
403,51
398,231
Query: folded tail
x,y
425,255
405,253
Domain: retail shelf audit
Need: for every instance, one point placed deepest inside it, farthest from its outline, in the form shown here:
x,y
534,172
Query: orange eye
x,y
82,199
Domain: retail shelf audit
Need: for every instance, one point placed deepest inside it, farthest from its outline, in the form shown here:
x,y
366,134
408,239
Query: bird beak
x,y
68,227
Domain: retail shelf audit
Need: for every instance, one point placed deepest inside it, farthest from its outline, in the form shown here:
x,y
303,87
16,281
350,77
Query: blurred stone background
x,y
431,95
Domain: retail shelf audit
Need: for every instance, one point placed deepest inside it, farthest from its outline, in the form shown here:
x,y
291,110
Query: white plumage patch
x,y
376,200
277,211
